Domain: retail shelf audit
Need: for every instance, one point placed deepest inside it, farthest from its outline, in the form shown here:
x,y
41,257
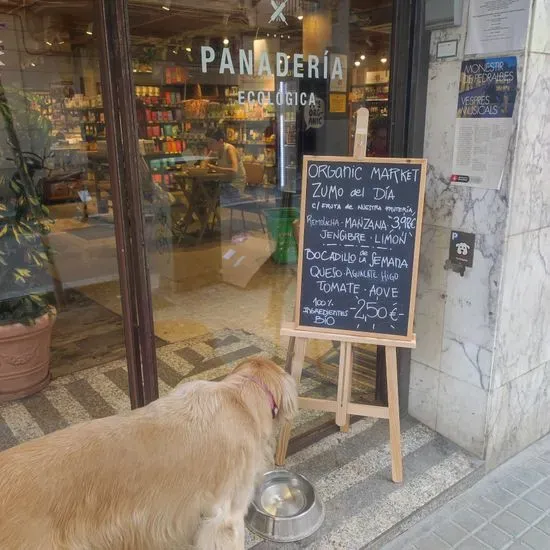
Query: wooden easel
x,y
343,407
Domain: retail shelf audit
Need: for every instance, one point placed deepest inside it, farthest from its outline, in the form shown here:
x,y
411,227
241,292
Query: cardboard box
x,y
243,257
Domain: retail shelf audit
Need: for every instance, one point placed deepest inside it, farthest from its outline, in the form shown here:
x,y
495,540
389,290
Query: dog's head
x,y
275,381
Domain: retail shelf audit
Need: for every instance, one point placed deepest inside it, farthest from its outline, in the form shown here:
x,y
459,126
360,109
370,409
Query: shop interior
x,y
222,258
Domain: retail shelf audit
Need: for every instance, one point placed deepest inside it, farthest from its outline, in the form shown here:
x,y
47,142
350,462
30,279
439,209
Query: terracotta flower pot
x,y
25,358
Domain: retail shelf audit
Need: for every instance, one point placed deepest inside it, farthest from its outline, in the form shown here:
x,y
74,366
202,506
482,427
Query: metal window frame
x,y
407,103
117,85
410,49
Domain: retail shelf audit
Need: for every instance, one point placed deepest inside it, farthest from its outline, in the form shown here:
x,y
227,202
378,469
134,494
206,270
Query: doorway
x,y
236,80
212,262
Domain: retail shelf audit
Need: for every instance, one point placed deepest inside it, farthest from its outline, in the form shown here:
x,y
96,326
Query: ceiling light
x,y
49,38
384,60
268,35
357,63
175,50
90,29
288,36
274,36
225,41
188,49
362,57
33,64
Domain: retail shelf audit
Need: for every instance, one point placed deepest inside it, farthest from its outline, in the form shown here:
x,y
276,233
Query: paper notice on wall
x,y
340,84
497,26
484,121
338,103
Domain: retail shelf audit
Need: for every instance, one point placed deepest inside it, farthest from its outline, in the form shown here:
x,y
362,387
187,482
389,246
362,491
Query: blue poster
x,y
488,88
484,121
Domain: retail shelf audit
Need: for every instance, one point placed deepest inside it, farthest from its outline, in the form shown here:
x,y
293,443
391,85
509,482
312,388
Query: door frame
x,y
117,85
410,50
407,102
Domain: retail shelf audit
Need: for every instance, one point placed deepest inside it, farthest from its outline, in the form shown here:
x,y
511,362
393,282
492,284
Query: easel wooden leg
x,y
393,410
299,345
347,386
344,385
290,354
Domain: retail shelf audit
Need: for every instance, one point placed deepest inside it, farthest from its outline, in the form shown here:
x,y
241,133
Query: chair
x,y
247,201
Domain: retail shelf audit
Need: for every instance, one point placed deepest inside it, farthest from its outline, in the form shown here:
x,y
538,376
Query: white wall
x,y
475,331
519,403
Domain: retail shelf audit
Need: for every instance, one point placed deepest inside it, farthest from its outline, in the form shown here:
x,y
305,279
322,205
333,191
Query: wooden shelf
x,y
173,122
252,121
246,143
160,107
84,108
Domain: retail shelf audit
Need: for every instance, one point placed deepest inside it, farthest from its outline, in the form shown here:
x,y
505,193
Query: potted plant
x,y
26,316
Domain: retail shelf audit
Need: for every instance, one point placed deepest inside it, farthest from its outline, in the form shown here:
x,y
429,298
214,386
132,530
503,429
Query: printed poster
x,y
339,84
484,121
338,103
497,26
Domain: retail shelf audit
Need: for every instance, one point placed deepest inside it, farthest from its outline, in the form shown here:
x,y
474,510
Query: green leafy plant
x,y
24,220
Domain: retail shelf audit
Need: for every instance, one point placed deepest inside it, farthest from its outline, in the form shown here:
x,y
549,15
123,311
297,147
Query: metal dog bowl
x,y
285,508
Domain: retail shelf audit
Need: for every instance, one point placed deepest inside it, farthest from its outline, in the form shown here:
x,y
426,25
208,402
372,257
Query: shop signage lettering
x,y
278,13
483,77
279,98
361,234
315,67
314,114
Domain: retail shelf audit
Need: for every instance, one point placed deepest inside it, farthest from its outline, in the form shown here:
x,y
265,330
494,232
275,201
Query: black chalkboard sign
x,y
360,228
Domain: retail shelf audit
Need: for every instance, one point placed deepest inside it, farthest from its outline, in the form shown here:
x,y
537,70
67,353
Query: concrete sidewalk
x,y
508,509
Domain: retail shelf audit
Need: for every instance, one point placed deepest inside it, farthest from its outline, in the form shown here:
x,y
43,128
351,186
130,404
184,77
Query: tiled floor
x,y
103,391
190,297
351,471
507,510
352,475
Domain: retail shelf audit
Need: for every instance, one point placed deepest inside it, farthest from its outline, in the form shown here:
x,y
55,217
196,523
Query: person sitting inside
x,y
226,159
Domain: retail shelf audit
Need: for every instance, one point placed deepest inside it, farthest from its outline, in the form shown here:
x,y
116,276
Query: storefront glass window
x,y
57,244
229,97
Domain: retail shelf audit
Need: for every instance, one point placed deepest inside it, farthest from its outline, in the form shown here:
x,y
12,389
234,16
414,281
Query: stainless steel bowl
x,y
285,508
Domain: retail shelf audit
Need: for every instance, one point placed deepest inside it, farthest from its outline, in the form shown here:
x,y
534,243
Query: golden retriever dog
x,y
177,474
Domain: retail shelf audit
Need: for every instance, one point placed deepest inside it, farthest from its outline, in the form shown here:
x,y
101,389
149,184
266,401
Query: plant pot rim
x,y
39,322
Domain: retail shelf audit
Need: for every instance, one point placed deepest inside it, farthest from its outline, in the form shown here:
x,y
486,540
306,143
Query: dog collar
x,y
267,391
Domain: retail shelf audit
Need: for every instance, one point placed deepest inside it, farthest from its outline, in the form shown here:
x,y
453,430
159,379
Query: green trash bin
x,y
279,224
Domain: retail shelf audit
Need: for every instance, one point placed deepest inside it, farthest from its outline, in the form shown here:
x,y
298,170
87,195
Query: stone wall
x,y
482,348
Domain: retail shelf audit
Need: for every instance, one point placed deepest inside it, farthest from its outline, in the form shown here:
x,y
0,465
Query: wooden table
x,y
203,198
